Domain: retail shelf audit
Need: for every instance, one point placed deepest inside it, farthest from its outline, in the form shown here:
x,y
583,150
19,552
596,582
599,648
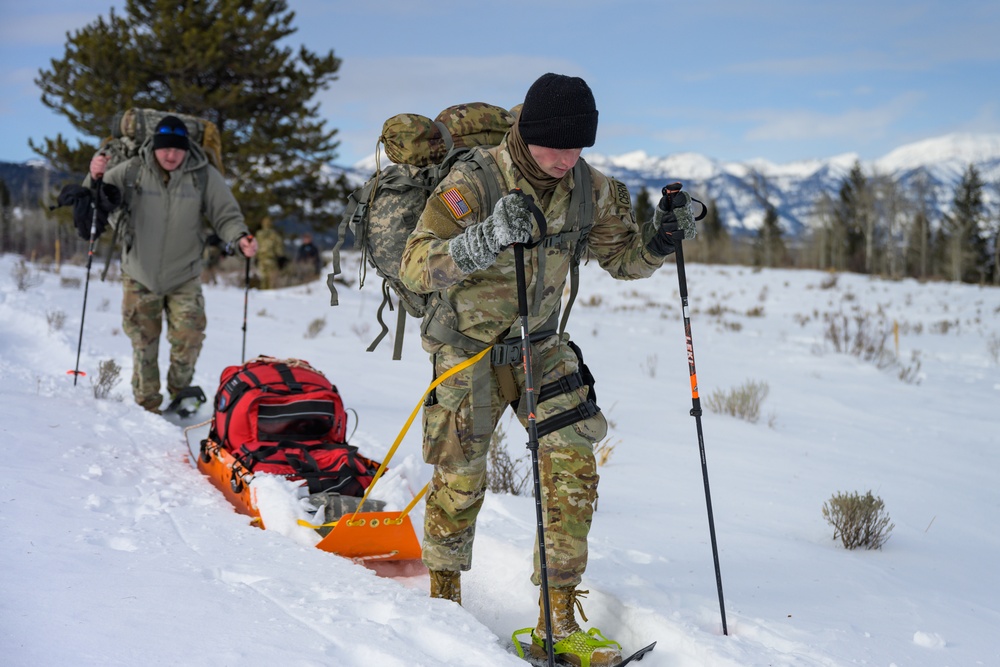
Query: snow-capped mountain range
x,y
793,189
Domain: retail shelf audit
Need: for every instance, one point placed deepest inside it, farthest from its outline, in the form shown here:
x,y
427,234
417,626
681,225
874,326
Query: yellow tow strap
x,y
399,439
406,427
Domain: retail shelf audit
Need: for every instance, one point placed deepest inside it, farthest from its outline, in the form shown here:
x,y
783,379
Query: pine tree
x,y
4,217
769,247
217,59
716,235
855,218
968,257
643,206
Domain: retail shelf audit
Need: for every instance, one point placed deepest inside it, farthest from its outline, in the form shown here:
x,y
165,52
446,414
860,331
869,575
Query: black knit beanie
x,y
559,112
171,132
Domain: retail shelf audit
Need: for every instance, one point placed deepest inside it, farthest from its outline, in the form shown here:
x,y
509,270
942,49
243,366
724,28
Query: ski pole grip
x,y
543,226
670,190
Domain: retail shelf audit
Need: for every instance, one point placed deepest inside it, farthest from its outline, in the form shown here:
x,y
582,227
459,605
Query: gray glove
x,y
671,216
479,245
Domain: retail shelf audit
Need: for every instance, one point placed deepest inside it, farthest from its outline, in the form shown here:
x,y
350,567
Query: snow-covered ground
x,y
115,551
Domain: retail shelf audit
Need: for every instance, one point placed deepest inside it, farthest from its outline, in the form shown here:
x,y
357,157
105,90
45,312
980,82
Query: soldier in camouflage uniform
x,y
459,251
270,254
162,254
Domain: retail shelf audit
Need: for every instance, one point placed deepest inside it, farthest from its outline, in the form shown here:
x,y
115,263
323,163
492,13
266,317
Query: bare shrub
x,y
70,282
993,347
829,282
859,521
503,473
604,449
716,310
56,320
865,337
108,377
911,374
315,327
756,311
743,401
361,329
944,326
650,365
24,277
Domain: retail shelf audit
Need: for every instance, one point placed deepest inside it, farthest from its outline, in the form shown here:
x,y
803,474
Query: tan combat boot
x,y
446,585
570,643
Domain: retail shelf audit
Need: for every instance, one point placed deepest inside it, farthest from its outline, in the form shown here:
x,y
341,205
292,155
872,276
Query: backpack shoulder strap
x,y
489,176
125,218
581,205
200,177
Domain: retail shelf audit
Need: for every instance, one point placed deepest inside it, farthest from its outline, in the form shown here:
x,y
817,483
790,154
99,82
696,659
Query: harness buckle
x,y
505,354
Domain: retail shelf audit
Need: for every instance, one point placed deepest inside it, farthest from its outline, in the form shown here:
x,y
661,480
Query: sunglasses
x,y
179,131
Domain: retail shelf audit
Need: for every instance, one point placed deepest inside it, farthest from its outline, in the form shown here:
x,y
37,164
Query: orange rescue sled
x,y
365,537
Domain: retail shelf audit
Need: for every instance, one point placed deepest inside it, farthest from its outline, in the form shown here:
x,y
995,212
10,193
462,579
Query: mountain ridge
x,y
933,166
937,164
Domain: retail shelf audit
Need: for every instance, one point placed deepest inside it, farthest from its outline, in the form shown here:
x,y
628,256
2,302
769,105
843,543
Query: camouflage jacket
x,y
483,306
270,246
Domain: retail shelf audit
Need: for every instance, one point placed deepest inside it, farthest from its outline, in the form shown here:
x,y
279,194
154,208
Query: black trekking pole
x,y
76,373
669,191
530,403
246,298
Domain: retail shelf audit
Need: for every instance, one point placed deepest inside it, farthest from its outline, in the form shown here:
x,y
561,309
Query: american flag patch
x,y
456,203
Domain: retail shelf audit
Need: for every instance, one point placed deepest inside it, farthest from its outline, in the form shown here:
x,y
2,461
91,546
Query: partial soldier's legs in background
x,y
186,324
142,321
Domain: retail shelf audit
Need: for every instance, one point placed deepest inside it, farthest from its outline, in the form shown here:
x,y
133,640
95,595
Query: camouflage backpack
x,y
133,127
384,212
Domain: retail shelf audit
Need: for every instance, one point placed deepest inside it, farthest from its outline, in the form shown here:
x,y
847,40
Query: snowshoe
x,y
186,402
577,649
539,656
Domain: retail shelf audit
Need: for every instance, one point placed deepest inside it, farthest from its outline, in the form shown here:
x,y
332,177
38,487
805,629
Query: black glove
x,y
82,201
672,215
109,199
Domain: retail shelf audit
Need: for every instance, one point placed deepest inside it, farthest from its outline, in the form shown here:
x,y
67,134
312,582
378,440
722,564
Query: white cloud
x,y
855,124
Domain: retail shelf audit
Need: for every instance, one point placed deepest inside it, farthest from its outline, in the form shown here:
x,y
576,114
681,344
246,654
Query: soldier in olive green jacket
x,y
460,252
162,253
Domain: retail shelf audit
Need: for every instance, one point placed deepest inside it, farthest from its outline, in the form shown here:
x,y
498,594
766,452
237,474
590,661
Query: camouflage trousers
x,y
567,467
268,271
142,320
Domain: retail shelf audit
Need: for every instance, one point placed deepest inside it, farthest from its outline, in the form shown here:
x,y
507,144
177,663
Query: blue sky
x,y
732,80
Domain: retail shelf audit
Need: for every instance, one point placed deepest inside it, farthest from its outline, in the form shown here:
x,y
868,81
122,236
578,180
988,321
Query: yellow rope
x,y
406,427
395,445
